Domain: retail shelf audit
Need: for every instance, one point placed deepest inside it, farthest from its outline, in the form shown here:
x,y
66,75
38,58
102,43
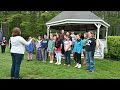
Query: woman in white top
x,y
67,48
17,51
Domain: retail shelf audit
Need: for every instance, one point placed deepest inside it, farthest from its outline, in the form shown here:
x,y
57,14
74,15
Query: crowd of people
x,y
57,47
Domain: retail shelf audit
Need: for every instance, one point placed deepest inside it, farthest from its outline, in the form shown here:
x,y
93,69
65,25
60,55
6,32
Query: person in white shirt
x,y
67,48
17,51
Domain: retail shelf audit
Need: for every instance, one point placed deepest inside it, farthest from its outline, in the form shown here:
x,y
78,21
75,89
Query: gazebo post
x,y
106,39
98,32
48,27
98,29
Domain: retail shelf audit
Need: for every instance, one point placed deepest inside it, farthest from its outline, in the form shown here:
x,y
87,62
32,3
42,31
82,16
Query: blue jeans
x,y
16,62
90,61
67,57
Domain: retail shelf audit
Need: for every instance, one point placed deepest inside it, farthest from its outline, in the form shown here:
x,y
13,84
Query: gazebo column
x,y
106,50
98,32
98,29
48,31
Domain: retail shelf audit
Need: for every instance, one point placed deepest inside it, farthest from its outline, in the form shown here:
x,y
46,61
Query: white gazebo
x,y
80,21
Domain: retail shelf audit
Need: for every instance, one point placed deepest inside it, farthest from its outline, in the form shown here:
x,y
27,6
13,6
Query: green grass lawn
x,y
105,69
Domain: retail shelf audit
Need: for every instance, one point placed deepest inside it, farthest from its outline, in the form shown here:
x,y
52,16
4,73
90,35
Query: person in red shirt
x,y
58,48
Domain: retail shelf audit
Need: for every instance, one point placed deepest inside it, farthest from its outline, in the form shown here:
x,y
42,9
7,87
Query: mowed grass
x,y
105,69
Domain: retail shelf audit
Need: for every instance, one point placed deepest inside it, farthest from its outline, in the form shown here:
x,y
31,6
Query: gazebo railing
x,y
100,48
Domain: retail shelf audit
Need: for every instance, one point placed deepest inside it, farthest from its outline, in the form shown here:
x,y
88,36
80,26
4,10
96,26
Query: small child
x,y
44,46
51,47
30,49
38,48
67,48
58,46
3,45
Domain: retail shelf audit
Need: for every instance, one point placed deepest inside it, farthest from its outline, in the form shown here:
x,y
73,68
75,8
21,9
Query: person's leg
x,y
51,57
87,60
45,54
13,65
37,54
28,56
42,53
2,48
75,58
79,59
84,61
31,56
65,57
59,58
92,61
18,59
69,60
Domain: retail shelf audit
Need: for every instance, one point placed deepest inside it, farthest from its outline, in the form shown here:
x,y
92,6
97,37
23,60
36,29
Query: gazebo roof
x,y
76,18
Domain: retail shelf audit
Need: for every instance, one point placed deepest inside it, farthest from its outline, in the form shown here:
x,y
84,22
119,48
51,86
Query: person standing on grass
x,y
58,46
90,49
62,38
17,51
30,49
67,48
3,45
78,50
51,47
44,46
84,45
38,48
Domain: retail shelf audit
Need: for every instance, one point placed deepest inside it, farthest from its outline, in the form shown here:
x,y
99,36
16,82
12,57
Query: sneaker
x,y
12,77
91,71
51,62
79,65
76,65
56,63
68,65
59,63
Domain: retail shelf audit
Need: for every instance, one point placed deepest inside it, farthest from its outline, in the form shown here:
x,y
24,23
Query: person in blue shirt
x,y
77,50
30,49
44,45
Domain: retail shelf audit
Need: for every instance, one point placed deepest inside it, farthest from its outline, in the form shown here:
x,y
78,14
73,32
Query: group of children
x,y
56,44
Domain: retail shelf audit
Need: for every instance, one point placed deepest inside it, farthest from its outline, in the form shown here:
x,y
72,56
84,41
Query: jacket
x,y
78,46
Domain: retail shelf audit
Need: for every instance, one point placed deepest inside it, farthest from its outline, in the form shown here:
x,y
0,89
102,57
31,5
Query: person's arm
x,y
81,46
23,41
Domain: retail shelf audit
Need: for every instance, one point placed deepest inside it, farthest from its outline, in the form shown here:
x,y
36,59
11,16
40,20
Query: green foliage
x,y
31,23
114,47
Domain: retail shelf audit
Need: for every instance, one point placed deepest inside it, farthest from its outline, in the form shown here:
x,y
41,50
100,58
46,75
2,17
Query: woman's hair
x,y
80,34
92,33
16,31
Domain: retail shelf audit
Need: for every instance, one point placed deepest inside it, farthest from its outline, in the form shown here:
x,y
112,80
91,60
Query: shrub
x,y
113,47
